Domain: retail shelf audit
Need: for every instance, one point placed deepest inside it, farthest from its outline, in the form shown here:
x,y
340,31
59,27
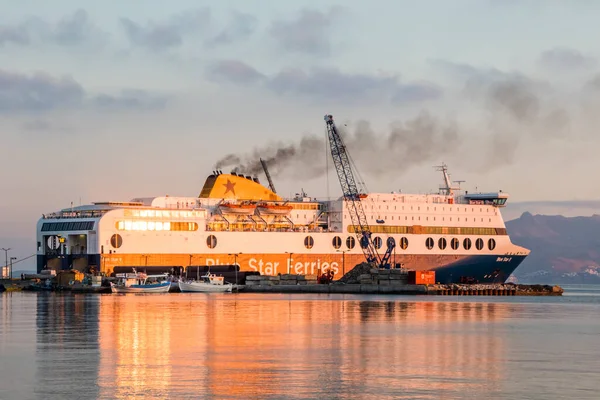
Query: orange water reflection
x,y
251,346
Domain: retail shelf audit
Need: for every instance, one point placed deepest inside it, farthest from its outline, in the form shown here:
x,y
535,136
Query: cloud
x,y
307,33
234,71
576,204
41,92
417,92
326,83
14,34
241,26
330,83
130,99
565,59
167,34
72,29
38,92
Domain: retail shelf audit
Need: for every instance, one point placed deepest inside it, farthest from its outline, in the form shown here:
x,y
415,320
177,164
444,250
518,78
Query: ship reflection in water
x,y
250,348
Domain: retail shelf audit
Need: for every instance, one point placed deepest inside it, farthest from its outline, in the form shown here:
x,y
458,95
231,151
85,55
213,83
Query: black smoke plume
x,y
415,141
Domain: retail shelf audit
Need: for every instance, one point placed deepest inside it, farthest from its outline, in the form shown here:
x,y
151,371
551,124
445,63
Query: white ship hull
x,y
162,288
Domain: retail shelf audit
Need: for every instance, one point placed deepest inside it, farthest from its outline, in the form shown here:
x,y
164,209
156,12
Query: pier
x,y
275,284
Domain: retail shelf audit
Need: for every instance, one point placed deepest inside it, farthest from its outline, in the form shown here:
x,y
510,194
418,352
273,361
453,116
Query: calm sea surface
x,y
254,346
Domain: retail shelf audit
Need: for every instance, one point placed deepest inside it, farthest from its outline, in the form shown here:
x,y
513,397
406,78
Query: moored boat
x,y
210,283
139,282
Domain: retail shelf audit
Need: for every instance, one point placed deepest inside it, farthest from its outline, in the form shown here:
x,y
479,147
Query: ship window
x,y
442,243
377,242
116,241
391,243
491,244
403,243
467,243
211,241
337,242
454,243
364,242
429,243
479,244
309,242
350,242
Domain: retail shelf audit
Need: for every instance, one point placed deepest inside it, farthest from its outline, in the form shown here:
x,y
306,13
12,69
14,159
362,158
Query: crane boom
x,y
343,167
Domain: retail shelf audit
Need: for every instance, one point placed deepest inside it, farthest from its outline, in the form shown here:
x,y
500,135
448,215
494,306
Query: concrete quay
x,y
306,284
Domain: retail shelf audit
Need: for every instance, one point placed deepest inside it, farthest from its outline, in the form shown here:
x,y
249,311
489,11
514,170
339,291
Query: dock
x,y
408,289
366,280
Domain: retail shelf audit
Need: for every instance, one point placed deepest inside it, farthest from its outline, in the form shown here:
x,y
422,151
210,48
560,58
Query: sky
x,y
114,100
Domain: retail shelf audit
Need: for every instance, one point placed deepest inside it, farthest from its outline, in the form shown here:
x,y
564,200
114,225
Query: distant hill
x,y
563,249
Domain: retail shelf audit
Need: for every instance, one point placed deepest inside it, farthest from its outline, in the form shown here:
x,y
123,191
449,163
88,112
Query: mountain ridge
x,y
562,248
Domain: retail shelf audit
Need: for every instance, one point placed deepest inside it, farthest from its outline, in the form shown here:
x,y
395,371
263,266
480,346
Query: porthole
x,y
116,240
309,242
377,242
491,244
429,243
403,243
467,244
211,241
479,244
391,243
442,243
337,242
364,242
350,242
454,243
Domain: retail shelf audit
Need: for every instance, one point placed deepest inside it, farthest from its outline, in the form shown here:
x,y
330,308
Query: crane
x,y
343,167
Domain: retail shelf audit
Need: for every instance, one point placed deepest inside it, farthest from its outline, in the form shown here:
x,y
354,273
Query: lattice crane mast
x,y
343,167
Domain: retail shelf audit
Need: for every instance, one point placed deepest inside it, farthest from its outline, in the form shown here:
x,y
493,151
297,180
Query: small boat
x,y
210,283
233,208
139,282
274,209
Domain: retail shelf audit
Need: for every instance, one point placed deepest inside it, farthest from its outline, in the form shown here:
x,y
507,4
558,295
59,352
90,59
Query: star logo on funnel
x,y
229,187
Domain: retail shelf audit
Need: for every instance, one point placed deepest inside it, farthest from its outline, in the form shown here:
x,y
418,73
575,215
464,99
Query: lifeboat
x,y
362,196
274,209
239,209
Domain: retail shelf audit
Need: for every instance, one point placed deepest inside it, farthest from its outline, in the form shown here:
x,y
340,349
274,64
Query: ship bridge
x,y
497,199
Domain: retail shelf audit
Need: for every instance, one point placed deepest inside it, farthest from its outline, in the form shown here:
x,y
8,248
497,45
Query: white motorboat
x,y
209,283
139,282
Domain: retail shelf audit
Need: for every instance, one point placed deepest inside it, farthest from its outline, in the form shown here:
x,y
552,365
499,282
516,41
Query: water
x,y
255,346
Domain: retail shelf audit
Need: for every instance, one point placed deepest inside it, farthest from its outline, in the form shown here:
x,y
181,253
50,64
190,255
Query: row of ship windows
x,y
155,226
418,218
465,209
116,241
309,242
162,213
431,230
68,226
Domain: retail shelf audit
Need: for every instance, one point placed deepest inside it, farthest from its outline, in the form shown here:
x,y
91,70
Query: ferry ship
x,y
238,221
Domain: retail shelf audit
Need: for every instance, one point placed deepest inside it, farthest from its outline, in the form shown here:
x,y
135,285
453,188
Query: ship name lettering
x,y
503,259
